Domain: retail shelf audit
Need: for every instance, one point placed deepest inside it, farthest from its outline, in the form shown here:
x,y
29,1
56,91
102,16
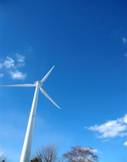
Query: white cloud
x,y
8,63
125,143
13,66
112,128
17,75
125,119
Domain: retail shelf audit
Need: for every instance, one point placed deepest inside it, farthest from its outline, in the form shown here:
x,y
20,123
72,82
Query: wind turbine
x,y
26,149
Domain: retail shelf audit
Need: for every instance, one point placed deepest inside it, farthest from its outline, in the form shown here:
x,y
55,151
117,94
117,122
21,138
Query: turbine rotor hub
x,y
38,83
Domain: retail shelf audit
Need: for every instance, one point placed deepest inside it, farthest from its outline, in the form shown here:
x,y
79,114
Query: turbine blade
x,y
47,75
18,85
49,98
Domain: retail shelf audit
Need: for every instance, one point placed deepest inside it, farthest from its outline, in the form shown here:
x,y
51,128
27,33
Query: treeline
x,y
75,154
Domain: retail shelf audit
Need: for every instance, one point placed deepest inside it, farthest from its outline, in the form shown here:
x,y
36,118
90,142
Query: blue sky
x,y
87,42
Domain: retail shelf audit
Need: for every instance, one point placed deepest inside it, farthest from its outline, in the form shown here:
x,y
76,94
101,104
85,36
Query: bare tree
x,y
2,160
47,154
81,154
36,159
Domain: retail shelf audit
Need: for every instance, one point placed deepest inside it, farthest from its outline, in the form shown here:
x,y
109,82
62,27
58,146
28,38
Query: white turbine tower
x,y
26,149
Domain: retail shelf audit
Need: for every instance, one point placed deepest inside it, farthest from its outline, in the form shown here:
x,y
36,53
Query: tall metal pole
x,y
26,149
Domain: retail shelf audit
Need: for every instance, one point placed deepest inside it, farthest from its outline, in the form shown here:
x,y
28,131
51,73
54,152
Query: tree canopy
x,y
81,154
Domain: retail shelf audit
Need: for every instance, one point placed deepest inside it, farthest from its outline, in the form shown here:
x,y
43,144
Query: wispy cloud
x,y
17,75
13,66
1,153
111,128
8,63
1,75
125,143
124,40
20,59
